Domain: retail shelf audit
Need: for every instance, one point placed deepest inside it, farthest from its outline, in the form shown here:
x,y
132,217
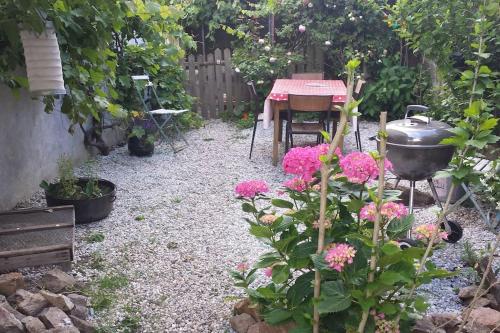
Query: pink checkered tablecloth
x,y
283,87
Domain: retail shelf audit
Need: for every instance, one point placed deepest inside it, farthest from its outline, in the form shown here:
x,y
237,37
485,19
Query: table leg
x,y
276,134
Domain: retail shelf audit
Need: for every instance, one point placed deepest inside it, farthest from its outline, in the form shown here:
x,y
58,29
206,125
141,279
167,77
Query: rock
x,y
57,281
479,303
483,320
245,306
8,307
495,292
83,325
28,303
67,329
10,282
80,311
426,325
33,325
467,292
79,299
240,323
263,327
59,301
9,323
447,321
54,317
494,304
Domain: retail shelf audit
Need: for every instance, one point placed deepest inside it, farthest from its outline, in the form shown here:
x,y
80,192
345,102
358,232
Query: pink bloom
x,y
296,184
389,210
268,271
242,267
338,255
304,161
425,231
360,167
251,188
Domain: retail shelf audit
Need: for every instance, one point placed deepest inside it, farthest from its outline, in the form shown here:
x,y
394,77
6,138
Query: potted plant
x,y
91,196
141,139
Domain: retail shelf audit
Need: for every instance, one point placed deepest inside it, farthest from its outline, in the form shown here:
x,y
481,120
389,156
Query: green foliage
x,y
96,55
71,187
190,120
290,228
392,91
95,237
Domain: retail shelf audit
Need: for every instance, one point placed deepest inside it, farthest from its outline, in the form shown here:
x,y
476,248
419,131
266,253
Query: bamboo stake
x,y
378,220
325,171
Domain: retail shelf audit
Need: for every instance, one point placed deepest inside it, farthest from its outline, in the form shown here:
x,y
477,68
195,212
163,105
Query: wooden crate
x,y
32,237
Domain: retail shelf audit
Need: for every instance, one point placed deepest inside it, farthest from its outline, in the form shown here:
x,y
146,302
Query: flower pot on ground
x,y
91,197
141,139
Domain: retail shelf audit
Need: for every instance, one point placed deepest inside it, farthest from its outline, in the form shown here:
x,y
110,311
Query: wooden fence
x,y
218,88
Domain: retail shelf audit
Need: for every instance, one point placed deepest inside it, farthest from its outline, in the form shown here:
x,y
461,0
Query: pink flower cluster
x,y
425,231
304,161
360,167
242,267
296,184
383,325
338,255
268,271
250,188
389,210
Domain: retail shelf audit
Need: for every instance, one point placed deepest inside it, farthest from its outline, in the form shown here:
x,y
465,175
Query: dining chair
x,y
355,120
307,103
254,108
308,76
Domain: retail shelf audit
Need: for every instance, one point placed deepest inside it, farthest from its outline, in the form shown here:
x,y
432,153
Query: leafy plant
x,y
339,239
95,237
392,91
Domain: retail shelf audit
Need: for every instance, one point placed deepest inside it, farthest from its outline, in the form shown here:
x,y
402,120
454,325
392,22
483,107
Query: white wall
x,y
31,141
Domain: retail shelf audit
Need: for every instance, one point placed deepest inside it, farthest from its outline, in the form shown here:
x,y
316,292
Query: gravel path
x,y
177,229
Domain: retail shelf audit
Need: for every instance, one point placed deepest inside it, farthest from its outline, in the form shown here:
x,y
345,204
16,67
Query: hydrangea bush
x,y
365,281
289,227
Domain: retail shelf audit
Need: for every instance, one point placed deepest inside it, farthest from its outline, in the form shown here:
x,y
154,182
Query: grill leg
x,y
410,201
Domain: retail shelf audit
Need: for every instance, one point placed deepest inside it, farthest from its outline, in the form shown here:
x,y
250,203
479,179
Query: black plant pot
x,y
138,147
88,210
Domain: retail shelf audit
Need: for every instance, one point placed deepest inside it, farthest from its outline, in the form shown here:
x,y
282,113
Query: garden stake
x,y
325,171
376,227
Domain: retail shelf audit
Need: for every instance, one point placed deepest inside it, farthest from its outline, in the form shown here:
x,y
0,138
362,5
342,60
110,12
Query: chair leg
x,y
280,134
287,137
253,136
291,139
358,138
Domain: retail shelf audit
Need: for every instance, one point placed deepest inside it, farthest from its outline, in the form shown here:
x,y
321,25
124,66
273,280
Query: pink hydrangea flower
x,y
296,184
251,188
360,167
425,231
242,267
268,271
338,255
389,210
304,161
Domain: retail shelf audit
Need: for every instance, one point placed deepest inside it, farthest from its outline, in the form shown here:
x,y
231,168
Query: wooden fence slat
x,y
202,84
219,64
193,89
211,85
228,75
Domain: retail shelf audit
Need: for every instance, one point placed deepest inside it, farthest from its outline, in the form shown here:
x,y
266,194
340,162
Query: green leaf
x,y
302,288
280,273
390,248
399,227
248,208
334,297
277,316
282,203
266,292
488,124
268,259
389,278
260,231
474,109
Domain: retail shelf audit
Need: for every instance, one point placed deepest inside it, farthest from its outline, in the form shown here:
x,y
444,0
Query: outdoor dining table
x,y
277,100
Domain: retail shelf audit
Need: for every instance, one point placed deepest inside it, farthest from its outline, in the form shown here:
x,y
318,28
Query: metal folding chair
x,y
161,117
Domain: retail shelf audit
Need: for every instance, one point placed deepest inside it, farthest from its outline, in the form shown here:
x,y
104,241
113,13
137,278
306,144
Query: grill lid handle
x,y
420,109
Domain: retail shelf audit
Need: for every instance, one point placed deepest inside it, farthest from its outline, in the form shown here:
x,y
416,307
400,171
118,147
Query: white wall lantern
x,y
43,62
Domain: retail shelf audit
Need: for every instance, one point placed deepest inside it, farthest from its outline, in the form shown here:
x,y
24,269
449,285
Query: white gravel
x,y
178,257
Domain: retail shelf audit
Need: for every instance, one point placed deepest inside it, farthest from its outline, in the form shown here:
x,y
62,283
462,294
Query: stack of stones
x,y
49,307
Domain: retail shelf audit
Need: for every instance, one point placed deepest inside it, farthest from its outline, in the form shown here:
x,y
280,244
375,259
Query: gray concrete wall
x,y
31,141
